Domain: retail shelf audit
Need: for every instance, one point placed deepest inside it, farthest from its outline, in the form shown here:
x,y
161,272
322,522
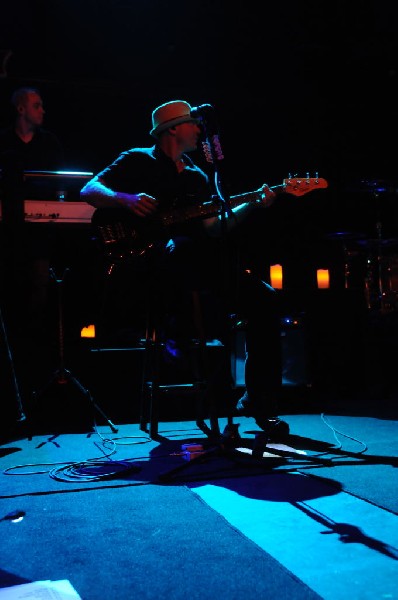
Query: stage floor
x,y
323,506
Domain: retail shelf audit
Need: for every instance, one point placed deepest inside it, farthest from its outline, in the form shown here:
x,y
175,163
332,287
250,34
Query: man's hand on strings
x,y
142,205
267,195
99,194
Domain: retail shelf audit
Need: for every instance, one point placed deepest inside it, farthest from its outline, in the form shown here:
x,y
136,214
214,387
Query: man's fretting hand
x,y
267,195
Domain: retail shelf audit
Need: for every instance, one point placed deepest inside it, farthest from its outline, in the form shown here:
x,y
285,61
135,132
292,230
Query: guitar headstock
x,y
298,186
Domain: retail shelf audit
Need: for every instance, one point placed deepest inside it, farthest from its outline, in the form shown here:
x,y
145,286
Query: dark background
x,y
298,86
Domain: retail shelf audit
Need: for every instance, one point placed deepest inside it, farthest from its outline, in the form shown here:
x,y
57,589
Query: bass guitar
x,y
123,235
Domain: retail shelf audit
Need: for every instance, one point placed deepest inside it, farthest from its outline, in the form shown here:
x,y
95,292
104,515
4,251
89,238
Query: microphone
x,y
211,144
205,114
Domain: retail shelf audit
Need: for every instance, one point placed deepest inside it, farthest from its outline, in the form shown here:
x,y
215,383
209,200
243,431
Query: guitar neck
x,y
255,196
213,207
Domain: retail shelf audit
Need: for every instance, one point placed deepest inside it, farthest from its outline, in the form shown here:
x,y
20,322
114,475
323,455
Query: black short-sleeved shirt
x,y
151,171
43,153
187,255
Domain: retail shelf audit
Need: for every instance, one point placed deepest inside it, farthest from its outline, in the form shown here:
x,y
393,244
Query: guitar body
x,y
123,235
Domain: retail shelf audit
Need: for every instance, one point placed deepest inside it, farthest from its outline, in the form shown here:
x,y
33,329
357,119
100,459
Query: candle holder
x,y
323,279
276,275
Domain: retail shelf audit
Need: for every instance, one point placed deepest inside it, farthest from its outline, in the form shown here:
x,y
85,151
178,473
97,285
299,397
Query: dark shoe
x,y
275,429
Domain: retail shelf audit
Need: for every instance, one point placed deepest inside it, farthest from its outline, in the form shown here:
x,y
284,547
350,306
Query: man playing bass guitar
x,y
162,207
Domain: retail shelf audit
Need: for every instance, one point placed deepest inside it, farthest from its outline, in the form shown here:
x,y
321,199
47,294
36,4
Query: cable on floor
x,y
337,432
93,469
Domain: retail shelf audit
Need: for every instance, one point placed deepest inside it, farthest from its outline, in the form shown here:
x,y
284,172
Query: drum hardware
x,y
380,295
368,263
347,240
381,283
346,236
371,265
376,243
379,287
373,186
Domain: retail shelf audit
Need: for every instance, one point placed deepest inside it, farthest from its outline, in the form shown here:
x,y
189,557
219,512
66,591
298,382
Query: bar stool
x,y
201,354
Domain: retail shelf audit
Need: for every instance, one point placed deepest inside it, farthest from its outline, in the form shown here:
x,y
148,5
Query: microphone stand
x,y
213,153
62,375
11,202
230,437
215,157
21,415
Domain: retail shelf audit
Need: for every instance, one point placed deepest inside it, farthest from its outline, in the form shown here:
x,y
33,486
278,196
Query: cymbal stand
x,y
62,375
374,287
379,263
347,269
383,302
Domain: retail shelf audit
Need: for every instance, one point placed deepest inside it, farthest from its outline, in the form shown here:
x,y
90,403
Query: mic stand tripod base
x,y
228,441
63,376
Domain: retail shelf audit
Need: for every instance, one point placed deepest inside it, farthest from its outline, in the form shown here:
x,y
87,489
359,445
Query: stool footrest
x,y
179,387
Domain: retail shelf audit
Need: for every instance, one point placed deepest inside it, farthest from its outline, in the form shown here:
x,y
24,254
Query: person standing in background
x,y
25,145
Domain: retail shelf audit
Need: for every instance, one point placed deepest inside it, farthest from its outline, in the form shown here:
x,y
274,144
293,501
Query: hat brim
x,y
163,126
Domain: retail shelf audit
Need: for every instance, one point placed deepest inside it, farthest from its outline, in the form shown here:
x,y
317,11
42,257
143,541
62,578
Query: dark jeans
x,y
186,267
258,304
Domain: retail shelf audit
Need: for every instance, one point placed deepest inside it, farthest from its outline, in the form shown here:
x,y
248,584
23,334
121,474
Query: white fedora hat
x,y
170,114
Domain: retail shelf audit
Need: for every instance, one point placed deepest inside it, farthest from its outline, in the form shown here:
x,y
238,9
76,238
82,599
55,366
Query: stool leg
x,y
205,397
145,403
149,406
146,392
